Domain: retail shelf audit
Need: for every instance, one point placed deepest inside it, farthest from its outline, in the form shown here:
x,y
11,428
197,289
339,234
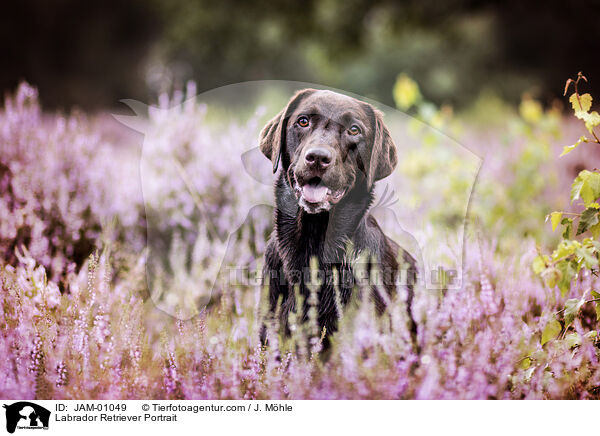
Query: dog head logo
x,y
26,415
206,186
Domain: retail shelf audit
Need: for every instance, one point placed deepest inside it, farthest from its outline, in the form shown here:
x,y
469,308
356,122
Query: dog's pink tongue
x,y
314,193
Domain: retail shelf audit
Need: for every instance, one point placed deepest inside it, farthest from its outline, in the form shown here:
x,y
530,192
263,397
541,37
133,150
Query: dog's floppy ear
x,y
272,136
384,156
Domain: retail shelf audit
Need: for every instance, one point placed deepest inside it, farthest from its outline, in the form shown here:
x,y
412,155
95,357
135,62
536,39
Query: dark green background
x,y
92,54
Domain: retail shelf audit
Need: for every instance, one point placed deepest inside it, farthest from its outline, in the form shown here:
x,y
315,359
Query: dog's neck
x,y
327,233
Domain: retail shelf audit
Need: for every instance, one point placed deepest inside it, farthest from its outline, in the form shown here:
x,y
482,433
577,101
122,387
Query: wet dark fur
x,y
335,238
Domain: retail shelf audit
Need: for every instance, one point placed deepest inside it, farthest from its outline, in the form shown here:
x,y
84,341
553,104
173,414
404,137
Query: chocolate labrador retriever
x,y
332,149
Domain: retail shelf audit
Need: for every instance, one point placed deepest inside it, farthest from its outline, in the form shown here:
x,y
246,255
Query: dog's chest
x,y
301,240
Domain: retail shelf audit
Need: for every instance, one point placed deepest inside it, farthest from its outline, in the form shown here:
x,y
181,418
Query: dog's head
x,y
327,143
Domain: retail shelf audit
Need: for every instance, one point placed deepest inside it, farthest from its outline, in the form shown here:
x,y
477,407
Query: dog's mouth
x,y
315,195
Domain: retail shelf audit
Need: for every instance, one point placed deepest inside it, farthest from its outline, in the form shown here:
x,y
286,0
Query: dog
x,y
332,149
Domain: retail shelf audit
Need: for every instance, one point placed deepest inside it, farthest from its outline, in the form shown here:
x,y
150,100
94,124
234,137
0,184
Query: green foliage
x,y
586,187
580,103
569,148
506,199
406,92
556,218
572,307
572,256
551,331
531,110
588,219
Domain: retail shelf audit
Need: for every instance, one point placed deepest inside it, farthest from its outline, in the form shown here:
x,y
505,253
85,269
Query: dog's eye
x,y
303,121
354,130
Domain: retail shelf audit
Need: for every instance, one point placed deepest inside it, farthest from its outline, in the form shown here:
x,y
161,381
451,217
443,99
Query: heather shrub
x,y
198,166
504,334
202,206
56,193
103,341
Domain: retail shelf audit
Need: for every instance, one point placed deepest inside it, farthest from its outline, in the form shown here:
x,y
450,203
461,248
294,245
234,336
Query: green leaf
x,y
569,148
576,188
587,194
595,231
551,276
567,271
592,120
540,263
580,104
531,110
573,340
555,218
596,244
551,331
587,256
568,223
525,363
588,218
572,307
586,186
592,183
565,249
406,92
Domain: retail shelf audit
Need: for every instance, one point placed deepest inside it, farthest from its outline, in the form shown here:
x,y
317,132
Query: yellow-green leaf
x,y
525,363
592,121
540,263
555,218
595,231
572,306
581,104
551,276
569,148
576,187
565,249
531,110
573,340
406,92
586,186
551,331
568,270
568,223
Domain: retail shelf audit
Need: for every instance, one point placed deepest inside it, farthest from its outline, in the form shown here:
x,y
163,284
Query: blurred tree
x,y
93,54
357,45
550,40
455,49
84,53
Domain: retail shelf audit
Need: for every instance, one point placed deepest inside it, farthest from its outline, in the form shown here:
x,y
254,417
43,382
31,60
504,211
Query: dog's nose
x,y
319,157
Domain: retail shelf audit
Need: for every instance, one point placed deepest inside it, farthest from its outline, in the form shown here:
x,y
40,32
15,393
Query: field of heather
x,y
110,265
